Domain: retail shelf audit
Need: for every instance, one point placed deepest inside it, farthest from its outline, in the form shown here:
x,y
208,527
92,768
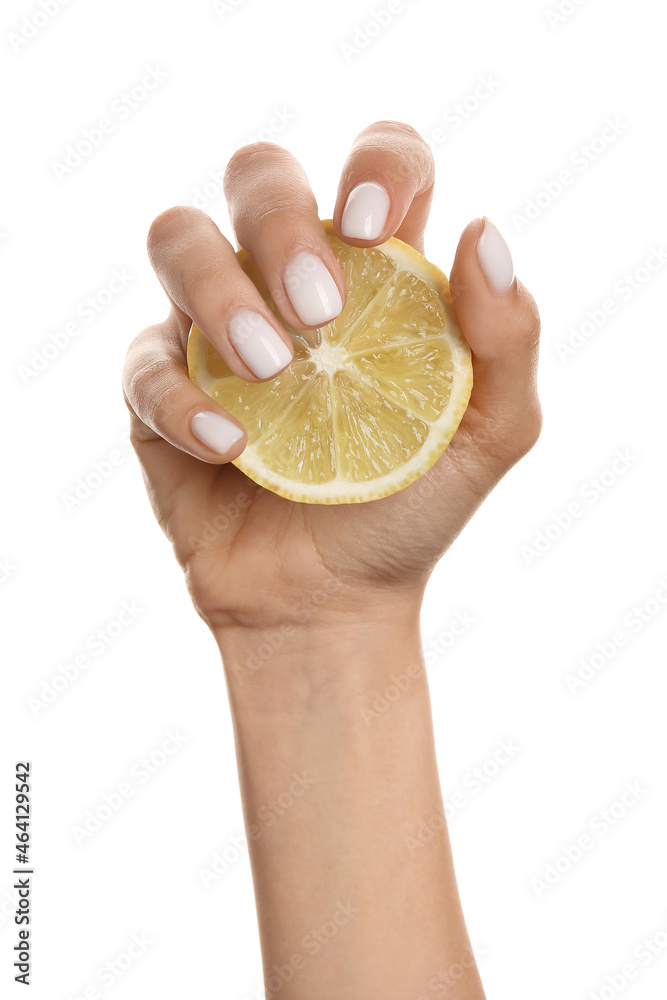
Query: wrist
x,y
293,666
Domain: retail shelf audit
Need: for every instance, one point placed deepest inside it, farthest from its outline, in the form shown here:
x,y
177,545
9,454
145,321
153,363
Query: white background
x,y
536,614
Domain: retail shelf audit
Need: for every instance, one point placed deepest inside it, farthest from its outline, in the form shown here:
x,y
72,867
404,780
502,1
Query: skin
x,y
315,608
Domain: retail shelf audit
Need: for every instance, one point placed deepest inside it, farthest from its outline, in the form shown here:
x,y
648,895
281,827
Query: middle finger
x,y
274,215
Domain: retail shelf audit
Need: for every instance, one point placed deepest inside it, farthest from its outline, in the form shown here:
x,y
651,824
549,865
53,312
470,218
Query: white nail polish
x,y
263,350
215,431
365,212
495,259
311,290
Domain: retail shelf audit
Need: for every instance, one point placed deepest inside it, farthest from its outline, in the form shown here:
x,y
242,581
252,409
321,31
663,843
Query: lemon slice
x,y
370,401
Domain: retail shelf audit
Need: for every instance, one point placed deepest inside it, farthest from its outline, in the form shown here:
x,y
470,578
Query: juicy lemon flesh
x,y
369,401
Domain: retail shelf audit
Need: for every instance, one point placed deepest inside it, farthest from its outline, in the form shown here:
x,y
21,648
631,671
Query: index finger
x,y
386,187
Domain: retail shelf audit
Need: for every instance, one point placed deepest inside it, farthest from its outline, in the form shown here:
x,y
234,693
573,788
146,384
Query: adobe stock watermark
x,y
33,24
420,492
109,973
224,7
597,829
398,683
579,162
632,623
375,23
381,701
459,114
273,639
259,991
94,136
588,495
652,946
223,517
140,773
562,12
211,188
84,314
471,784
622,291
449,978
312,944
477,778
94,645
460,623
268,815
88,483
8,569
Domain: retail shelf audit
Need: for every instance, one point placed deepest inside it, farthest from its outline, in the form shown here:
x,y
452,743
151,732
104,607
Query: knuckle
x,y
524,431
135,351
510,435
199,284
166,400
530,428
152,385
520,328
412,156
528,323
140,370
139,433
291,212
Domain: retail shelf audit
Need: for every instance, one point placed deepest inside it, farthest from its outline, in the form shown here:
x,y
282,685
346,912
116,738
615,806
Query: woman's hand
x,y
328,596
251,558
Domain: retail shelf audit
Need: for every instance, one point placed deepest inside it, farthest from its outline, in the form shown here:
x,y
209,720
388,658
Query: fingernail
x,y
215,431
263,350
311,290
495,259
365,212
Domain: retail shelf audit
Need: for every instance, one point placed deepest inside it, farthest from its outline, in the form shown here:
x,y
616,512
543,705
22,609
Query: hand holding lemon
x,y
312,439
332,364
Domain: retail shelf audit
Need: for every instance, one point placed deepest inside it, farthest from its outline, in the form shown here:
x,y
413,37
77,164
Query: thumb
x,y
501,323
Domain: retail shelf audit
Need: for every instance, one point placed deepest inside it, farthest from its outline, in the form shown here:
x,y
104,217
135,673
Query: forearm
x,y
350,902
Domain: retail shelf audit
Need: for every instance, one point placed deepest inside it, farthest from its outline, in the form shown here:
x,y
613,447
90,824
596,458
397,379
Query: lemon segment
x,y
370,401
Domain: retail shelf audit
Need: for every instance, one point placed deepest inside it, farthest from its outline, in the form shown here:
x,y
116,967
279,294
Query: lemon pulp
x,y
370,401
